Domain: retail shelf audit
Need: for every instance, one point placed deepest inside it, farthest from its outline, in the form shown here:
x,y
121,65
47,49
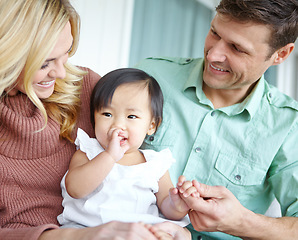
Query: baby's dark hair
x,y
104,90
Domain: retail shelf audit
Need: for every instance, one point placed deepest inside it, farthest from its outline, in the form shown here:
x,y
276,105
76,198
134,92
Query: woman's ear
x,y
152,127
11,92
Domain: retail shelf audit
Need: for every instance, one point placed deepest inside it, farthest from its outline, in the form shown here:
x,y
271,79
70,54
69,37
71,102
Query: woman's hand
x,y
177,232
108,231
159,234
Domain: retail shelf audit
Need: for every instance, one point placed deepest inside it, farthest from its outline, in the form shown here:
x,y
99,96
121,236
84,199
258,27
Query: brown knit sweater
x,y
32,165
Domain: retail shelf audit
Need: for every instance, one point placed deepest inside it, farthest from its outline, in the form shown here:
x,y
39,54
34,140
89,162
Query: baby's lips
x,y
121,134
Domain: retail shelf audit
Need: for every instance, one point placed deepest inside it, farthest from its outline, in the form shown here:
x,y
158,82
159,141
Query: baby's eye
x,y
106,114
132,117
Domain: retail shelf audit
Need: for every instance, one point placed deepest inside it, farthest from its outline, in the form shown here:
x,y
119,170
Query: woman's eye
x,y
132,117
44,66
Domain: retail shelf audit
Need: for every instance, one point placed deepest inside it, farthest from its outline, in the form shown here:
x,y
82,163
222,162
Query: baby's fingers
x,y
181,180
188,189
192,191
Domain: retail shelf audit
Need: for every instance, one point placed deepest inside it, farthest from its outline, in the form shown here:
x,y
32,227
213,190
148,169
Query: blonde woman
x,y
43,100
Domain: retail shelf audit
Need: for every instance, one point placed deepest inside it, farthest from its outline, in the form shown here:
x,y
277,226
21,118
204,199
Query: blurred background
x,y
119,33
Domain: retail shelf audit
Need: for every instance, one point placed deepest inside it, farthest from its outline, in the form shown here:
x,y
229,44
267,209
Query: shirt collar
x,y
195,80
196,76
250,104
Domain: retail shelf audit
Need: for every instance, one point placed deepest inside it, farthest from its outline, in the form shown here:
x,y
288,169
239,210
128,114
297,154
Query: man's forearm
x,y
260,227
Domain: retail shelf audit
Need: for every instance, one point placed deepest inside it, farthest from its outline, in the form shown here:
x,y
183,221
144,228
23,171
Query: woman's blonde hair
x,y
29,30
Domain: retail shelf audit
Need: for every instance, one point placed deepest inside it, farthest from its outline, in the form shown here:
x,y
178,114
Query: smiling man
x,y
228,128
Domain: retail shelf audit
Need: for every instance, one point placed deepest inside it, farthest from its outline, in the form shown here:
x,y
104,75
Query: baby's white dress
x,y
126,194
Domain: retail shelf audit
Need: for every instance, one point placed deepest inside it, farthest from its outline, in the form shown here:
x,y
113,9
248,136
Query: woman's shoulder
x,y
89,81
90,78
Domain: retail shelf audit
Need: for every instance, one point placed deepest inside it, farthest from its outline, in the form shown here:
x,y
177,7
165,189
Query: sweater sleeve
x,y
28,233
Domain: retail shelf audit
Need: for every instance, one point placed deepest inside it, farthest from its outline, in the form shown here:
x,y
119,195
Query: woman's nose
x,y
58,70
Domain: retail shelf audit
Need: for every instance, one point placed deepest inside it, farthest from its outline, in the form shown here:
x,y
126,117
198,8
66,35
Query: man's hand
x,y
215,209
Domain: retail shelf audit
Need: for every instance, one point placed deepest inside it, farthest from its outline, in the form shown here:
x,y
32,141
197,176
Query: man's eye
x,y
213,32
237,49
132,117
107,114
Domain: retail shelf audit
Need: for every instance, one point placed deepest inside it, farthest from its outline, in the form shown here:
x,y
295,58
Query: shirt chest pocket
x,y
239,170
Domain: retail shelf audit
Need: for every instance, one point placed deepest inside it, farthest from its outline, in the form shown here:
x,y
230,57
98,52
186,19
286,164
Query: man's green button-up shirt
x,y
251,147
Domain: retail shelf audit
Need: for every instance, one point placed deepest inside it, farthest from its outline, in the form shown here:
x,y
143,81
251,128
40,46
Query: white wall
x,y
288,75
105,34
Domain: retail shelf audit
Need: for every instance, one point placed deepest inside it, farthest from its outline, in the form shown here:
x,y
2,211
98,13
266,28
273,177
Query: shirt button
x,y
198,149
151,138
238,177
270,95
199,238
213,113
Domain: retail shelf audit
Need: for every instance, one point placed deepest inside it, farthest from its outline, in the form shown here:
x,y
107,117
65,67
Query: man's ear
x,y
283,53
152,127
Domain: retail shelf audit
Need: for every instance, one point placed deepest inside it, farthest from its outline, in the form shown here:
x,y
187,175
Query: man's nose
x,y
218,52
